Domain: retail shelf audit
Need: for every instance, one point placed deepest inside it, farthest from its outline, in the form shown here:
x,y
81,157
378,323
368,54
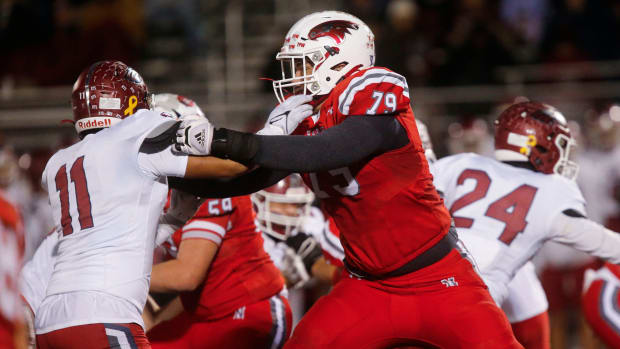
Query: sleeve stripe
x,y
359,83
205,225
201,234
332,246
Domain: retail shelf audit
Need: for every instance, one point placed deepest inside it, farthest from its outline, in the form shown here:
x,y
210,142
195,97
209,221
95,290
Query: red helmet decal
x,y
334,29
185,101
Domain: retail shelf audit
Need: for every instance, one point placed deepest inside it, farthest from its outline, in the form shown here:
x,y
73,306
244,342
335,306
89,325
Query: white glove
x,y
284,118
194,136
183,206
294,270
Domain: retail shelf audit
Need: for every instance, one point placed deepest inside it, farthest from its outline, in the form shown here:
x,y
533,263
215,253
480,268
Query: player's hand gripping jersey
x,y
505,213
107,193
242,272
371,199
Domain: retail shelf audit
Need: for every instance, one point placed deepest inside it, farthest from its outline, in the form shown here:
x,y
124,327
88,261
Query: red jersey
x,y
241,272
385,206
330,249
12,242
613,268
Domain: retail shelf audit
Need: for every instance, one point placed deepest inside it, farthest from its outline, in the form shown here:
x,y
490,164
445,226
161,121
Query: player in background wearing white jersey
x,y
505,209
107,192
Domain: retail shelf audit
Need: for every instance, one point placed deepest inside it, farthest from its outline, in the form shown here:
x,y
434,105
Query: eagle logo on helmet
x,y
336,30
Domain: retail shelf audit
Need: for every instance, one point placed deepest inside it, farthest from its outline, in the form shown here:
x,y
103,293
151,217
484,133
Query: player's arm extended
x,y
157,158
356,138
169,311
188,270
244,184
212,167
573,229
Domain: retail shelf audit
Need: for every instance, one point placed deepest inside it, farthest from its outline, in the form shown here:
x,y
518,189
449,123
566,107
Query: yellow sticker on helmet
x,y
133,103
531,142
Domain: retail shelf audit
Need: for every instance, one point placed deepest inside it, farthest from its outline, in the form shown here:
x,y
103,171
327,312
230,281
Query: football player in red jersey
x,y
600,303
12,327
407,283
229,287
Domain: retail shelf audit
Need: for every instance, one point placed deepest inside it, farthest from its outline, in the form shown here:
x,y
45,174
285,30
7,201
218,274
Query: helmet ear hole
x,y
541,149
339,66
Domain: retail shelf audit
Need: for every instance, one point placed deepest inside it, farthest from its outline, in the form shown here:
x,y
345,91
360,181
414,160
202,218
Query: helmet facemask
x,y
281,225
313,80
564,166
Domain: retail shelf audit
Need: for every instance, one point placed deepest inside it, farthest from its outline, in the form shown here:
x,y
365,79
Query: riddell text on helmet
x,y
94,122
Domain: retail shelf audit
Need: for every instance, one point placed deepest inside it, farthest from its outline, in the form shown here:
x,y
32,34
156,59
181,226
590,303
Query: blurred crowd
x,y
437,42
431,42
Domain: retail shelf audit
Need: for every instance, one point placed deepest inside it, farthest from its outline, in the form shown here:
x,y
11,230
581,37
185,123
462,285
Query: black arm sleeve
x,y
353,140
216,188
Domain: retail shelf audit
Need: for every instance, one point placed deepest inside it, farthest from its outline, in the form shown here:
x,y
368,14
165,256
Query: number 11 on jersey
x,y
78,177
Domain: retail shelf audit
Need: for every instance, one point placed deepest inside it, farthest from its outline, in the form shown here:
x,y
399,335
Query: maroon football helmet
x,y
538,133
105,93
290,190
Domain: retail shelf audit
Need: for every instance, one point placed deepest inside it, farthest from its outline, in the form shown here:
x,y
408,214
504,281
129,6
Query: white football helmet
x,y
175,105
334,43
290,190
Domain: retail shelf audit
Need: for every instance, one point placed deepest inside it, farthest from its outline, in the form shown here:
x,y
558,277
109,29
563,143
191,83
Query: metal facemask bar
x,y
565,167
279,225
307,83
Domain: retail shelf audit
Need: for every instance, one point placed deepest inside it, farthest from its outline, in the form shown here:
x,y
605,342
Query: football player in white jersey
x,y
505,209
107,193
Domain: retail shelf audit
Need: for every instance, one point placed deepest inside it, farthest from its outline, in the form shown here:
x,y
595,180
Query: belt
x,y
428,257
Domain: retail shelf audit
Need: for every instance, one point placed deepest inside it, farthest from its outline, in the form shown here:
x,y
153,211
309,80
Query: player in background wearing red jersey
x,y
229,289
12,327
407,283
600,303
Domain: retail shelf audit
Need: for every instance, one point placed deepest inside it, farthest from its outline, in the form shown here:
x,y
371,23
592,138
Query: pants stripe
x,y
278,318
608,306
119,337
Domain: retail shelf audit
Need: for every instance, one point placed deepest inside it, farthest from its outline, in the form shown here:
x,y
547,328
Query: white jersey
x,y
106,194
503,213
36,273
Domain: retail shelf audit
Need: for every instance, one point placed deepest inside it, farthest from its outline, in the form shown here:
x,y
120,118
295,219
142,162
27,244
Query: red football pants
x,y
265,324
534,333
445,305
7,333
600,306
95,336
